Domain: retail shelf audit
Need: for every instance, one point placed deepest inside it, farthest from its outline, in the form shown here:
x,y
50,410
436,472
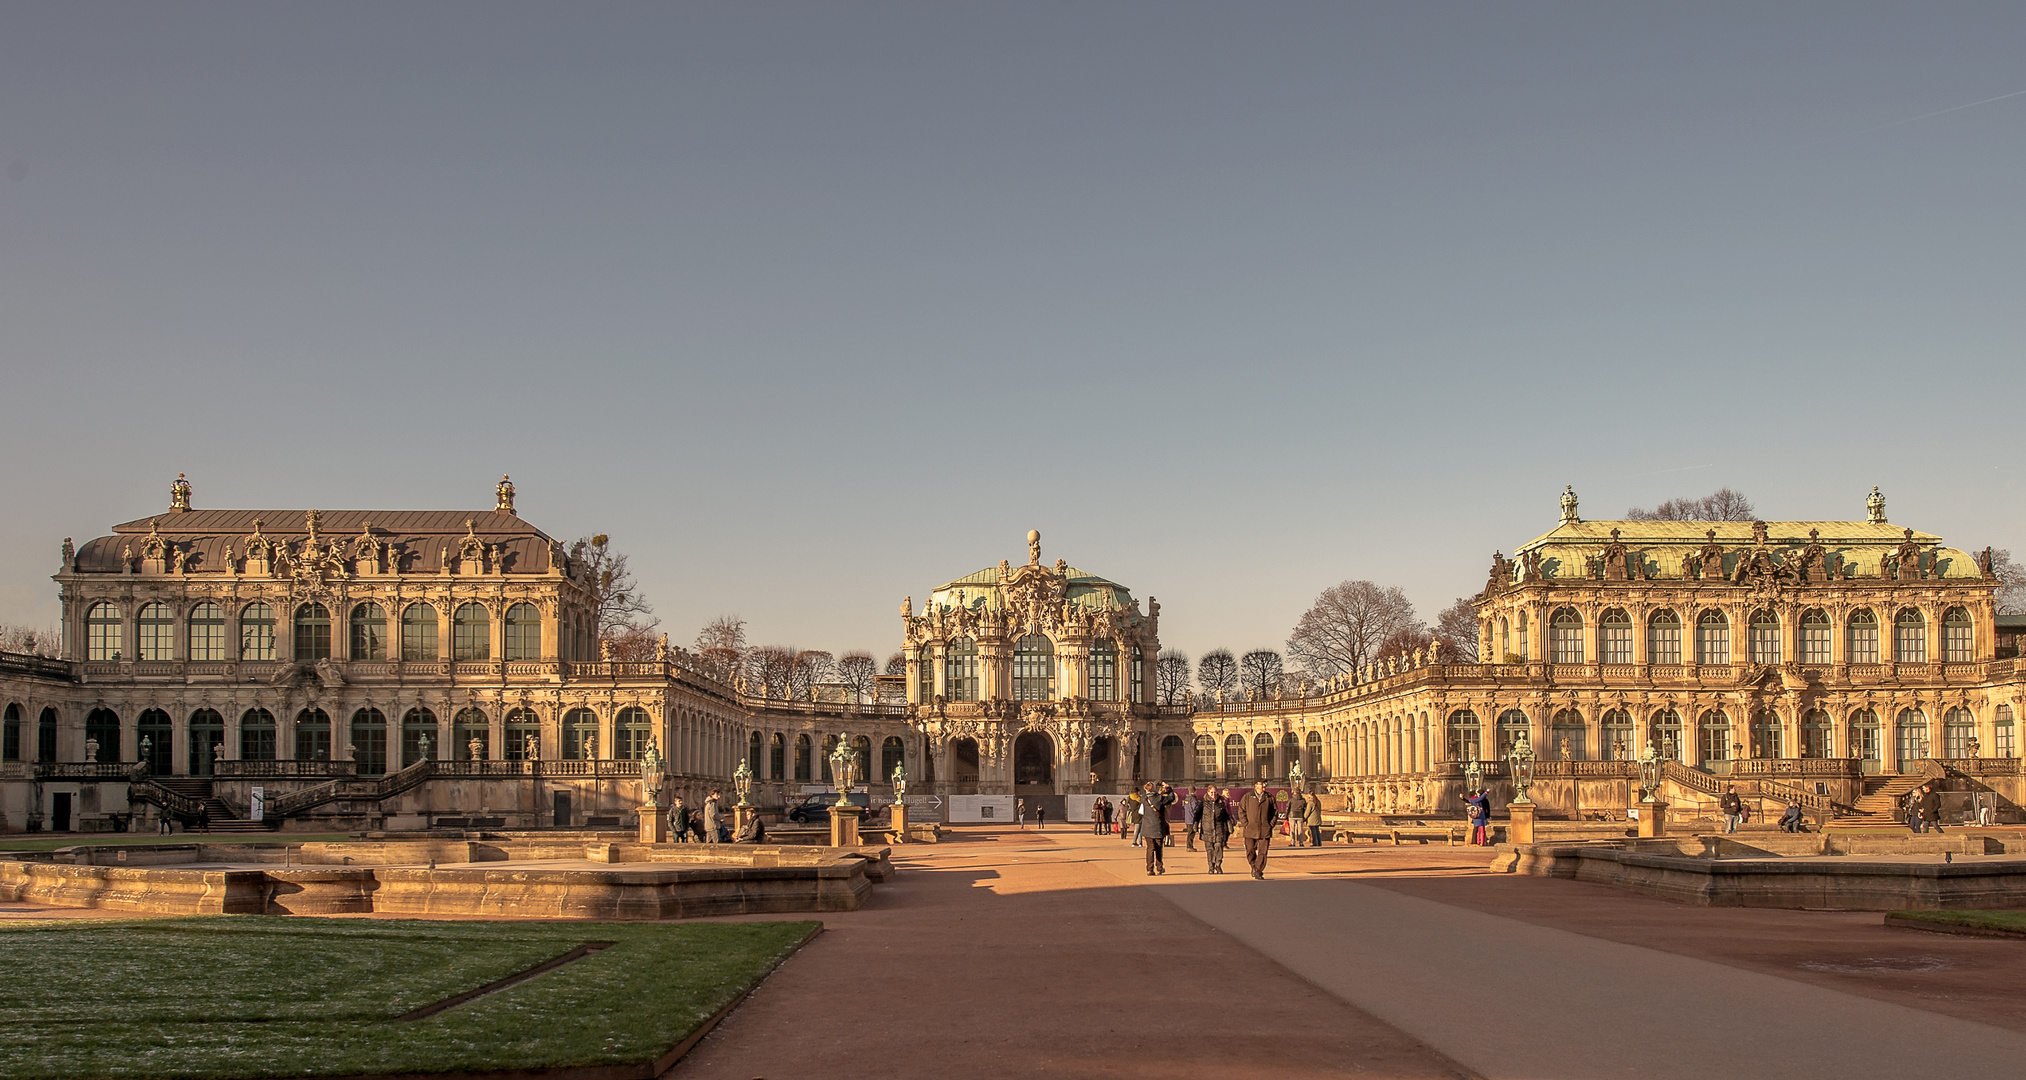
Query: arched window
x,y
154,742
1034,669
823,760
753,746
45,736
369,632
419,737
103,726
1138,680
1663,637
471,633
1512,723
470,736
633,726
1863,644
861,751
1763,646
1617,742
369,741
10,735
1505,653
802,749
777,756
1959,729
960,670
1262,756
1716,736
1816,734
1206,757
2002,733
1814,636
1465,735
892,754
418,633
207,632
1313,765
523,632
1614,637
523,735
1525,655
312,633
102,633
1910,637
1565,637
1234,757
925,673
256,632
1865,740
1565,741
1664,735
1766,735
1712,638
580,735
1104,670
157,633
207,734
256,735
1958,638
1912,743
312,735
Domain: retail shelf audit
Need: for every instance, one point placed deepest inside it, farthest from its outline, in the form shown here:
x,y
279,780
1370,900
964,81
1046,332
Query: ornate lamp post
x,y
1521,759
900,783
1473,774
742,780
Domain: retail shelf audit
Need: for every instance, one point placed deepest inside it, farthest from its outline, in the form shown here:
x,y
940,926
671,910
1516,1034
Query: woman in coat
x,y
1154,803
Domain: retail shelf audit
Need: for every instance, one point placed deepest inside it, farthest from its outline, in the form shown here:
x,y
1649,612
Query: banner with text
x,y
981,809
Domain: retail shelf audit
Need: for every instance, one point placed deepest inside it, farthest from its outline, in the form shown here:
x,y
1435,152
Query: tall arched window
x,y
256,632
419,737
103,726
1866,742
1716,736
207,632
369,741
523,632
1234,757
470,736
1959,729
45,736
1104,670
960,670
1959,640
892,754
1138,678
777,756
256,735
1863,644
1712,638
1817,733
925,673
1664,735
1614,637
1206,757
1910,637
312,735
1565,637
1313,765
1663,637
1512,723
1525,655
1505,653
802,749
1262,756
418,633
1617,744
580,735
753,745
861,750
1565,740
2003,733
1034,669
1815,636
523,735
157,633
10,735
154,742
312,633
1763,646
103,633
1912,742
632,727
471,633
1766,735
1465,735
369,632
207,733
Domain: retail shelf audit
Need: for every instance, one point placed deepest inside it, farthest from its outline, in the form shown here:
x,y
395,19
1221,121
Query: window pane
x,y
960,670
256,632
102,633
369,632
471,634
523,632
418,633
1034,669
157,633
207,632
312,632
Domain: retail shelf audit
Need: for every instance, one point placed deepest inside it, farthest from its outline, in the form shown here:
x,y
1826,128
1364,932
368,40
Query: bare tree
x,y
1171,676
633,645
1217,670
1342,630
721,644
859,671
1723,504
896,664
2011,583
811,666
1403,642
615,599
770,671
1457,629
28,641
1260,671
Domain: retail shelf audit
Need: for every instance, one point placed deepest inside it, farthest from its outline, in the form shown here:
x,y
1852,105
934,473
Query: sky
x,y
811,307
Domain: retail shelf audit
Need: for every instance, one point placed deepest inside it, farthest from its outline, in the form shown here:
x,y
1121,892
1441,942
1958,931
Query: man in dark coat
x,y
1295,809
1733,808
1192,818
1255,823
1154,803
1216,829
1931,807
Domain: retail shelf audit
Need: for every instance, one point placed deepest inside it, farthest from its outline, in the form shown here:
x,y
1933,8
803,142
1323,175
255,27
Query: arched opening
x,y
313,735
964,761
1663,637
369,632
523,736
312,631
523,632
1614,637
155,742
1104,761
1912,743
471,633
1464,742
1910,637
1712,638
1715,727
1866,742
1566,739
1959,730
754,743
45,736
418,737
418,633
256,735
1815,636
1171,756
10,739
1766,736
206,640
1863,640
580,735
802,749
1033,760
1262,756
1234,757
1617,745
631,729
1815,731
157,639
1565,637
1763,642
472,736
256,632
1206,757
960,670
1958,638
1312,764
1104,670
892,755
369,741
207,733
777,756
1665,735
1512,723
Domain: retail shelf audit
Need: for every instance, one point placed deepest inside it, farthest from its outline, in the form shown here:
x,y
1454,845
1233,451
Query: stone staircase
x,y
1879,806
197,789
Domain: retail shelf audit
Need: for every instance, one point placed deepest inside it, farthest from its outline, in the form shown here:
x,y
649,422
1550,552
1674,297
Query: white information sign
x,y
1079,807
981,809
1632,813
257,809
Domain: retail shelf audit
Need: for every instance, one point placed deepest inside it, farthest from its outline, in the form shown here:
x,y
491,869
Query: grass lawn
x,y
258,996
51,843
1985,920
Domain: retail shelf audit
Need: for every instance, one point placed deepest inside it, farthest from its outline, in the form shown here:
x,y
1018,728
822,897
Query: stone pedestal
x,y
653,824
1521,828
844,818
899,826
1652,819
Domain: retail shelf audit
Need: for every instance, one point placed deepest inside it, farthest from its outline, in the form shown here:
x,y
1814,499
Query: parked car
x,y
816,808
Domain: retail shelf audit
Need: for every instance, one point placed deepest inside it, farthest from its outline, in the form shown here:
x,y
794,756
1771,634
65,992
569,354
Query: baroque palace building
x,y
415,668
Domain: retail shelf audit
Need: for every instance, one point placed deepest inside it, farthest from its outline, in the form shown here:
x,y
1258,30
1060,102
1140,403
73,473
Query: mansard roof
x,y
422,537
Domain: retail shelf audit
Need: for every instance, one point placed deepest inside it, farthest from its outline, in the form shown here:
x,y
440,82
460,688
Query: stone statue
x,y
651,774
907,607
218,752
179,494
1569,516
69,554
423,740
661,650
1874,507
1033,547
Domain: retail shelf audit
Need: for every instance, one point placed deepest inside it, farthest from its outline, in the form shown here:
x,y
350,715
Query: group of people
x,y
710,824
1211,817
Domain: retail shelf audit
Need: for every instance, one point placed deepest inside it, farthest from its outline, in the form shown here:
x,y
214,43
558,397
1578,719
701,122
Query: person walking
x,y
1931,806
1192,819
1312,819
1040,815
1733,808
1296,815
1020,812
1153,829
1913,818
1216,829
712,810
1255,823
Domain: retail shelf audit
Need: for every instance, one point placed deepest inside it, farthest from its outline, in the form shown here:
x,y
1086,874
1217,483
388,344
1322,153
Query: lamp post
x,y
1522,761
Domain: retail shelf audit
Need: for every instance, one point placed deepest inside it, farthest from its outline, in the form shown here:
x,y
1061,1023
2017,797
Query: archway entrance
x,y
1103,762
964,761
1034,760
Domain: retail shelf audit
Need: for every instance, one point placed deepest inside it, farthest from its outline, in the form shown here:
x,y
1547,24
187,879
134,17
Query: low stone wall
x,y
149,889
662,893
1740,880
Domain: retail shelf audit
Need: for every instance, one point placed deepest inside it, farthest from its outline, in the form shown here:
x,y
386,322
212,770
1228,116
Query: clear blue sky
x,y
813,306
